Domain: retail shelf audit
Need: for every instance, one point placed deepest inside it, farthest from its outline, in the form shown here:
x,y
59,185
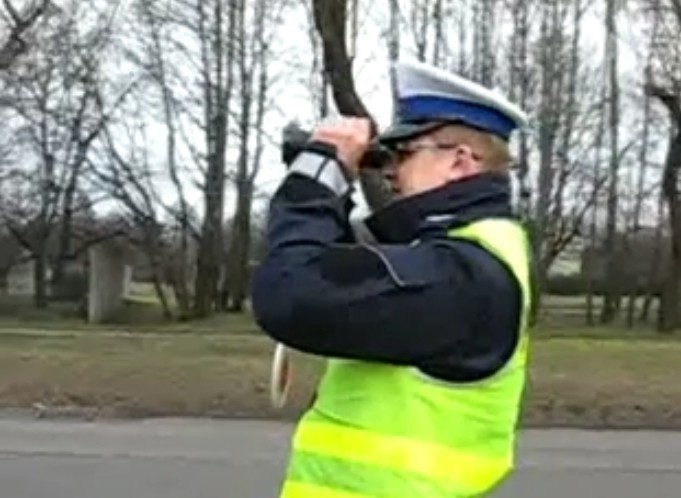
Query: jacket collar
x,y
434,212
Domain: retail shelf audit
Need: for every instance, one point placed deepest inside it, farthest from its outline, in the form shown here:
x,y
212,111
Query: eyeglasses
x,y
400,152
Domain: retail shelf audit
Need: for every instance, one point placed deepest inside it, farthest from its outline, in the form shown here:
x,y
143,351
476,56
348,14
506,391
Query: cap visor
x,y
406,131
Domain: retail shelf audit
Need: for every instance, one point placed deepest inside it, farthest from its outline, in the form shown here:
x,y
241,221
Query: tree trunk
x,y
218,78
180,291
613,293
439,42
653,286
670,312
594,242
520,91
40,279
638,203
464,66
4,274
66,228
669,317
210,244
419,24
487,66
157,281
177,275
547,135
560,228
240,249
252,62
394,43
476,14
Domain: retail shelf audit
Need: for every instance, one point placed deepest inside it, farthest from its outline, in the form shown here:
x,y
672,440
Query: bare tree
x,y
574,188
56,102
158,65
190,47
253,55
521,86
217,32
206,65
551,110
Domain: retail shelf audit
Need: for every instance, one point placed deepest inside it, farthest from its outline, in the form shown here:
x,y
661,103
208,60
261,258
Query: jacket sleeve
x,y
319,291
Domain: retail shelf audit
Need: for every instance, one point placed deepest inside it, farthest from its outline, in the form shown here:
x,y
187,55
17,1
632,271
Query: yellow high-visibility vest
x,y
385,431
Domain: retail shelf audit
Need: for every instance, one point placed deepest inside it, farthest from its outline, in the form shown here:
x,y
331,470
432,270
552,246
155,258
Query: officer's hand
x,y
350,137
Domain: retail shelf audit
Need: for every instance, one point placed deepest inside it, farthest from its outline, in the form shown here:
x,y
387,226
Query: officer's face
x,y
427,163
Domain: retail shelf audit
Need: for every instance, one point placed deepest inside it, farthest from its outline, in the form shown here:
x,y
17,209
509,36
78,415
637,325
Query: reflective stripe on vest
x,y
303,490
383,431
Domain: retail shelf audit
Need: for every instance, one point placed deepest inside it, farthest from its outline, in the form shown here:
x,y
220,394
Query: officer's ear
x,y
464,163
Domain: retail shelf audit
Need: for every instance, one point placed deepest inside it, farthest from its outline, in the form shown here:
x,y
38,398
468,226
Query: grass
x,y
140,315
569,312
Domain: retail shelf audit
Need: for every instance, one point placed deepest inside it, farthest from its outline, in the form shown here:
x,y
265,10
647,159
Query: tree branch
x,y
330,17
671,101
676,5
12,12
15,46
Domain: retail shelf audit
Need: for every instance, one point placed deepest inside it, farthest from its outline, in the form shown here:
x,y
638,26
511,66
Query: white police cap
x,y
428,96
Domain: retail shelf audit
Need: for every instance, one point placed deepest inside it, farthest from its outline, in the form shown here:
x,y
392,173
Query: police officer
x,y
426,331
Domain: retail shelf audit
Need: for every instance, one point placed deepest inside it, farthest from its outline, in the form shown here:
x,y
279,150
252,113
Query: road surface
x,y
243,459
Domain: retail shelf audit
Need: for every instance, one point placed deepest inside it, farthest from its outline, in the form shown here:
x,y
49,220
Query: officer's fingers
x,y
362,124
361,129
345,133
350,127
334,137
350,136
326,132
346,124
339,127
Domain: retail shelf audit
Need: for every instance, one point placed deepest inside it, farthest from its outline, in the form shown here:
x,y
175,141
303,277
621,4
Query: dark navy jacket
x,y
416,298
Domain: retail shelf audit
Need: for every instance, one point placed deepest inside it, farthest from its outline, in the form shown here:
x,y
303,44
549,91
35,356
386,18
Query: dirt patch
x,y
599,383
144,376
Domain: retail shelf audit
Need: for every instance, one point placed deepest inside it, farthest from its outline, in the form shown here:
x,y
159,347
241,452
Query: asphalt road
x,y
229,459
